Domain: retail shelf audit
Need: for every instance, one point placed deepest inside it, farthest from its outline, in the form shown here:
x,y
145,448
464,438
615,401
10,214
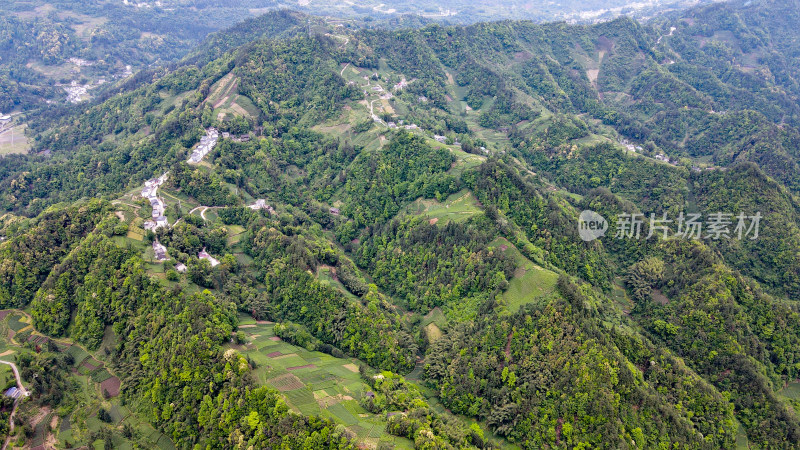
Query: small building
x,y
150,225
5,120
159,250
225,135
13,392
158,211
261,204
335,211
204,255
440,139
180,267
244,138
161,221
392,125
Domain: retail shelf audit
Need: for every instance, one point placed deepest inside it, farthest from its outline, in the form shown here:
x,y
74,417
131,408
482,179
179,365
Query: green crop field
x,y
16,323
530,282
315,382
458,207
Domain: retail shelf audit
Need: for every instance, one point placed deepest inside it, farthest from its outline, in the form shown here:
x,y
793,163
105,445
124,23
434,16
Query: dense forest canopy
x,y
310,234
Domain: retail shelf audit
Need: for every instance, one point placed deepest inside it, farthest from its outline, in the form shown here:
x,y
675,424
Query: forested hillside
x,y
306,235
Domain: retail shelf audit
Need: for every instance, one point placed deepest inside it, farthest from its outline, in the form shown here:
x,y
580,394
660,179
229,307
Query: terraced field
x,y
97,387
315,382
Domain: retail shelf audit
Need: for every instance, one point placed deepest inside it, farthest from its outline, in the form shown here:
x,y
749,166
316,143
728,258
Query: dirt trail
x,y
25,393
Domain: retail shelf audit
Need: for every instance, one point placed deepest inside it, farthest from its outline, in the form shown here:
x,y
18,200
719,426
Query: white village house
x,y
204,255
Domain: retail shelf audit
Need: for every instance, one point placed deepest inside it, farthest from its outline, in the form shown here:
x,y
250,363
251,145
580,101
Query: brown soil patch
x,y
659,297
50,440
111,385
522,56
264,322
592,74
326,402
433,332
503,247
275,338
307,366
247,326
7,352
4,313
274,354
40,415
433,221
88,365
286,382
351,367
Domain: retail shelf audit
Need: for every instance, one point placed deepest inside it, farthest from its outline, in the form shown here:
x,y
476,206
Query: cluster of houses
x,y
76,93
262,204
241,138
631,147
402,84
666,159
150,192
206,144
80,62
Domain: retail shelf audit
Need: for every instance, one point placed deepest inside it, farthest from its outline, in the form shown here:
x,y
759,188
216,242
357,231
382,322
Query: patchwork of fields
x,y
97,388
314,382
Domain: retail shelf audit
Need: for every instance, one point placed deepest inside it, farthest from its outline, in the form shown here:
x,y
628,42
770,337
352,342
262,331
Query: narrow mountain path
x,y
24,392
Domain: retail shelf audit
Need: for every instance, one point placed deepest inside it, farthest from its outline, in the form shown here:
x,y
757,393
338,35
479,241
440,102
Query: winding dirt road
x,y
25,393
